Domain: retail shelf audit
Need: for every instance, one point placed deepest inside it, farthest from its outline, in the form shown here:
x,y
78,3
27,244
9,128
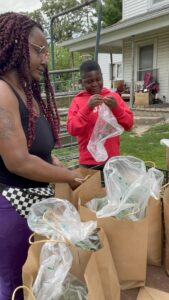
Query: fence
x,y
68,152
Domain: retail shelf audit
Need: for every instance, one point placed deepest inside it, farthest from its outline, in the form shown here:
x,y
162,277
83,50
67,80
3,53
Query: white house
x,y
111,66
142,36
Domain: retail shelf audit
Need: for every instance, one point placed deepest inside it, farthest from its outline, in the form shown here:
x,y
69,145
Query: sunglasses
x,y
40,49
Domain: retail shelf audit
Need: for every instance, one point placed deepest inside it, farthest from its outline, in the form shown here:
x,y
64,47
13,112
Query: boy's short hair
x,y
88,66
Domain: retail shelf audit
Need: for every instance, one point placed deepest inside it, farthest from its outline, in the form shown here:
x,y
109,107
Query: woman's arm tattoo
x,y
7,124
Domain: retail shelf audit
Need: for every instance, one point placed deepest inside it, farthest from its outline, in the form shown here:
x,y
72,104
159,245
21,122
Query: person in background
x,y
29,129
83,113
120,88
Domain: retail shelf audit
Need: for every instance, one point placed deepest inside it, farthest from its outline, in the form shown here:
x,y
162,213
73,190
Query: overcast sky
x,y
19,5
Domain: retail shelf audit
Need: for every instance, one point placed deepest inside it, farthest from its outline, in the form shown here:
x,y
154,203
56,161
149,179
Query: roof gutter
x,y
122,29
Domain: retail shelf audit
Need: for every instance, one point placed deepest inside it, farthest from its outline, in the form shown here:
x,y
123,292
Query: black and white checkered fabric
x,y
22,199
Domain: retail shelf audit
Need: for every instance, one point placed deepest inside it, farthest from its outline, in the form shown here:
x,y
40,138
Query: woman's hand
x,y
77,180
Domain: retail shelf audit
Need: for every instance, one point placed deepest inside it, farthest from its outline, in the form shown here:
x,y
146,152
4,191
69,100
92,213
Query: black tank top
x,y
41,147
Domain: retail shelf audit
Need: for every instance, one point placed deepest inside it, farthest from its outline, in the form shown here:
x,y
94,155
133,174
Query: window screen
x,y
157,1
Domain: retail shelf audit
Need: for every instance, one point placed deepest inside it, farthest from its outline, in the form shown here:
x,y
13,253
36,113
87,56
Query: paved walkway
x,y
146,117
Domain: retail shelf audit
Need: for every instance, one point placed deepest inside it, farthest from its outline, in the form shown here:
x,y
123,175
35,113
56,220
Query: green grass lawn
x,y
146,147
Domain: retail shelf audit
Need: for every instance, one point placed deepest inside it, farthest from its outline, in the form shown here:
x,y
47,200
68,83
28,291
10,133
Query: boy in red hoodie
x,y
83,113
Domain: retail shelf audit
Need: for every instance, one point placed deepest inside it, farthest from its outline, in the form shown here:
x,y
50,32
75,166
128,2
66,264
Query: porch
x,y
138,37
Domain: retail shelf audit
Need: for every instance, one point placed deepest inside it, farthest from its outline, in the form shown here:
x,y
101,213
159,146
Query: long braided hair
x,y
14,54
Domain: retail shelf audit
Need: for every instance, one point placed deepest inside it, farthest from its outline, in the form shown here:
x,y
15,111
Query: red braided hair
x,y
14,54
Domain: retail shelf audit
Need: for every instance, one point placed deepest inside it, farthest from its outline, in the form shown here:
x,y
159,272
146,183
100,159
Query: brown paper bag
x,y
105,264
166,227
154,232
30,268
93,190
64,191
127,239
95,281
147,293
88,265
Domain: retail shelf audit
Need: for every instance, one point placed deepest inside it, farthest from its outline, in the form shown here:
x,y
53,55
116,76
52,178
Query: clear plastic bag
x,y
74,289
119,173
156,181
53,280
106,127
55,263
128,186
58,219
164,142
97,204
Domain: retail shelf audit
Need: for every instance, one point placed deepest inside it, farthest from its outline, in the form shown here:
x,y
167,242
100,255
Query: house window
x,y
146,54
119,70
158,2
116,71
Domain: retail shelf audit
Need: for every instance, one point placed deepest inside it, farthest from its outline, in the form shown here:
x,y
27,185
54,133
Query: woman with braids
x,y
29,128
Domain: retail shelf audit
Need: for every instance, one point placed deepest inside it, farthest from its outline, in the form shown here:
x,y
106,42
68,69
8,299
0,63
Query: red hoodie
x,y
81,120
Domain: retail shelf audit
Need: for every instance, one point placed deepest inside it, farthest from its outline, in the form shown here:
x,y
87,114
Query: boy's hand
x,y
95,100
110,102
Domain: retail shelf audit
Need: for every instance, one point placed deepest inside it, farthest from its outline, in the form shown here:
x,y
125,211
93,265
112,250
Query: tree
x,y
78,22
38,16
73,24
112,12
69,25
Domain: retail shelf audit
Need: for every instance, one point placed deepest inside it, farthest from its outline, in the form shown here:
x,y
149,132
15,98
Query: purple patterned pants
x,y
14,234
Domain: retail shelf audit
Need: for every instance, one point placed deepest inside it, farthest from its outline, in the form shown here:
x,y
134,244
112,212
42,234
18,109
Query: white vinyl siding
x,y
132,8
160,58
105,65
104,62
127,62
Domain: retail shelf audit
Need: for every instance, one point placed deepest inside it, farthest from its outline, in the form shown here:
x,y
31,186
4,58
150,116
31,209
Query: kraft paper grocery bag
x,y
147,293
64,191
127,239
105,264
100,267
166,227
30,268
155,234
95,281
